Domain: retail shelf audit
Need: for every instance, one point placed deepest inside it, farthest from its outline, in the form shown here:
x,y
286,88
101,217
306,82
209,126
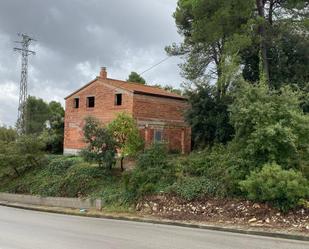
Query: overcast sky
x,y
77,37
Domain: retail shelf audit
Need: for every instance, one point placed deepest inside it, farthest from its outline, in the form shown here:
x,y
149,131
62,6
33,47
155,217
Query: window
x,y
158,135
90,102
118,99
76,103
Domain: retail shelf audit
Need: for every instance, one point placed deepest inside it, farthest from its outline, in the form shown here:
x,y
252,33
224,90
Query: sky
x,y
77,37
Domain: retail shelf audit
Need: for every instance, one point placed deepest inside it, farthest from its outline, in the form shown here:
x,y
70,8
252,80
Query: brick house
x,y
158,113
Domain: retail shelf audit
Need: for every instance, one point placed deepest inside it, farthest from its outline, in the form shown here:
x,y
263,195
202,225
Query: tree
x,y
101,146
214,28
208,116
47,121
170,88
265,40
7,134
22,154
270,126
55,128
37,115
135,77
125,131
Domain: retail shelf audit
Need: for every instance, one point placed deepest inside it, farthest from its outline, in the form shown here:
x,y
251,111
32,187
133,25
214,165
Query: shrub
x,y
270,126
218,164
101,145
80,180
152,172
125,131
191,188
282,188
59,165
18,156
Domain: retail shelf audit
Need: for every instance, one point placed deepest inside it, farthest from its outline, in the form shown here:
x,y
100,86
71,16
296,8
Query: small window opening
x,y
90,102
118,99
158,136
76,103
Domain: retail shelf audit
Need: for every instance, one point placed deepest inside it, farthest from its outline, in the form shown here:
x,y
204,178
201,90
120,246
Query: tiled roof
x,y
135,88
143,89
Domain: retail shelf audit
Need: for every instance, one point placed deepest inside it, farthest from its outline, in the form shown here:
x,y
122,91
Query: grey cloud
x,y
76,37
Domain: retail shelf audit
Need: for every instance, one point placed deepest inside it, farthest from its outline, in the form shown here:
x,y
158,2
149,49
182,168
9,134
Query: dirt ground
x,y
226,212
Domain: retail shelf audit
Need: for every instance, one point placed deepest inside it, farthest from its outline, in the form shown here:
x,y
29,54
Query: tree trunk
x,y
262,33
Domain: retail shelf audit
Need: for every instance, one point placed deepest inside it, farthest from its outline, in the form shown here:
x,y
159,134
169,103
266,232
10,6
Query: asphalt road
x,y
23,229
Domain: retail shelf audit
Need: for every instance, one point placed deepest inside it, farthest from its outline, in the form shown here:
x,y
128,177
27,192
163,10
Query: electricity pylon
x,y
23,90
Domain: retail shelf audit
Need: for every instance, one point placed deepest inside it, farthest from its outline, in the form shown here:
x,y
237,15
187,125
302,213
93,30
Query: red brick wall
x,y
165,114
151,113
151,107
105,110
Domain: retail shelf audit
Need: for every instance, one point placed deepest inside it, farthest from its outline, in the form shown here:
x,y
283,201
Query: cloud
x,y
77,37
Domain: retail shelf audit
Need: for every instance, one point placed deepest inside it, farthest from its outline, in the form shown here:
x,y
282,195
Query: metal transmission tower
x,y
22,107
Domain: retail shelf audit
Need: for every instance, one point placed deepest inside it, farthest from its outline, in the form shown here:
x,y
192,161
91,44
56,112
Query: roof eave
x,y
161,95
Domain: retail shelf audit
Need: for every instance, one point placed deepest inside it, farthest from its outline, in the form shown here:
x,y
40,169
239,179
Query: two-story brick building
x,y
158,113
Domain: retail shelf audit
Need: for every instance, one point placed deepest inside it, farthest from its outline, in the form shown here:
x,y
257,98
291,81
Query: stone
x,y
267,220
255,205
252,220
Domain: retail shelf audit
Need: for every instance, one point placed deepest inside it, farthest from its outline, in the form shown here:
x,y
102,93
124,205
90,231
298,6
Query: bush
x,y
282,188
7,134
219,164
80,180
16,157
270,126
101,146
59,165
191,188
151,174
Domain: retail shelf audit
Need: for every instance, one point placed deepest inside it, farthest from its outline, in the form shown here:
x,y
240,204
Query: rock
x,y
307,227
255,205
252,220
278,214
138,207
155,208
193,209
267,220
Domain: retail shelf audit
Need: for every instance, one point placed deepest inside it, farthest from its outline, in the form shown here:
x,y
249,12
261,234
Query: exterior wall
x,y
105,110
164,114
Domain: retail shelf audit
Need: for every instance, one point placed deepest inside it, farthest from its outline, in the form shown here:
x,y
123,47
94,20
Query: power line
x,y
22,106
155,65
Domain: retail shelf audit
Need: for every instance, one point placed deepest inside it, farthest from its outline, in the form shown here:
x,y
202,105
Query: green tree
x,y
135,77
270,127
101,146
7,134
37,115
22,154
214,28
54,133
170,88
208,116
125,132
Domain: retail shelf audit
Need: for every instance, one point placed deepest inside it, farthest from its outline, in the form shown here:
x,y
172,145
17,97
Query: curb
x,y
163,222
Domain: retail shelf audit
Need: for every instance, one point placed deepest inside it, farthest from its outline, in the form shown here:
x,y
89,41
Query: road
x,y
24,229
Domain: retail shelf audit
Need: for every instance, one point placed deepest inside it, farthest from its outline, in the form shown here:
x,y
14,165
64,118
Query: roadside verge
x,y
154,220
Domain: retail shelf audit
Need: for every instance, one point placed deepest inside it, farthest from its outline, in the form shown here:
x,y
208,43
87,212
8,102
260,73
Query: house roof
x,y
134,88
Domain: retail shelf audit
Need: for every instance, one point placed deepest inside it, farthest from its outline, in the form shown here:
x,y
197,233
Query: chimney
x,y
103,73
